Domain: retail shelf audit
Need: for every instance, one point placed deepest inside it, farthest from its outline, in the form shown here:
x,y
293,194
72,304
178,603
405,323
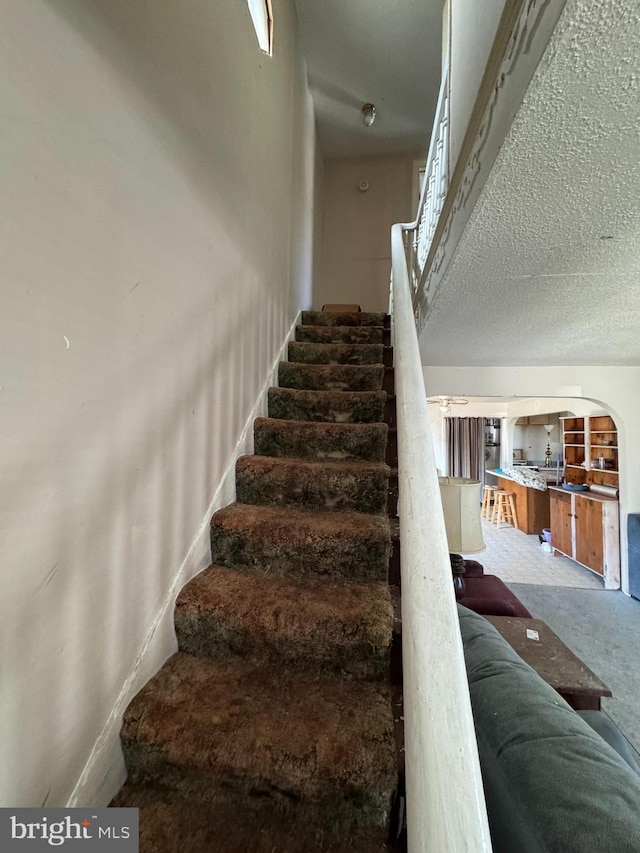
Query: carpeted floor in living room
x,y
602,627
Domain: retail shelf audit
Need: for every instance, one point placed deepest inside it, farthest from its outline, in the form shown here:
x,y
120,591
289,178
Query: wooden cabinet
x,y
585,527
561,514
589,533
591,451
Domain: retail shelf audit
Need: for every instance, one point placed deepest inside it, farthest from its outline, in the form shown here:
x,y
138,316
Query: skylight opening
x,y
262,17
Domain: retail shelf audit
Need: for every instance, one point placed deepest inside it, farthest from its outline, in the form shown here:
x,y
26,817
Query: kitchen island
x,y
532,505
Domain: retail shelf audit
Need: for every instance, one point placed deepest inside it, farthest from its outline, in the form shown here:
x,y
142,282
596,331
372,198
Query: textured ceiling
x,y
548,269
387,52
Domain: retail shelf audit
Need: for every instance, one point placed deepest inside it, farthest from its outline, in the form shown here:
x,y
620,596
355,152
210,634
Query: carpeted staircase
x,y
271,730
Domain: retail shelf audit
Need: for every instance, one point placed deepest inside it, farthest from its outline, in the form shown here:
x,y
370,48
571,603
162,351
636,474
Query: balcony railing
x,y
434,188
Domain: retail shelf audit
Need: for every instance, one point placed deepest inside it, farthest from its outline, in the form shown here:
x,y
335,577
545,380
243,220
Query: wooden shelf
x,y
581,459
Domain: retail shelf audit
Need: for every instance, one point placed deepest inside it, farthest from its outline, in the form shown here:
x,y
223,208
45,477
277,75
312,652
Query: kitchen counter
x,y
532,505
549,475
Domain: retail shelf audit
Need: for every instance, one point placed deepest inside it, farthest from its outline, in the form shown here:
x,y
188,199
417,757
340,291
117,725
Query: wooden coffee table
x,y
545,652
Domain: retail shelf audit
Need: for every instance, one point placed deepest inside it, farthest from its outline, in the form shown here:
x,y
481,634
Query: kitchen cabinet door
x,y
561,538
589,534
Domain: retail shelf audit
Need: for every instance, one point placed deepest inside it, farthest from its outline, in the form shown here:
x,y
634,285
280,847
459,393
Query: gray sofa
x,y
553,784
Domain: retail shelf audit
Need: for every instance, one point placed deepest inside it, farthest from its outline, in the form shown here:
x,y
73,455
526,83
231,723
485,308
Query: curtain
x,y
464,447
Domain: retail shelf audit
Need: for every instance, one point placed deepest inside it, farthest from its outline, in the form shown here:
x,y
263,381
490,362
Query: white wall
x,y
532,439
157,175
356,258
583,390
472,30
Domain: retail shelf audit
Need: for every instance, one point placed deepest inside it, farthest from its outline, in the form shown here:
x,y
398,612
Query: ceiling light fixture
x,y
445,403
368,114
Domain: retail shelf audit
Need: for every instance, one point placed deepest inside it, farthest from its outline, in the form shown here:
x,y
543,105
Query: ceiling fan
x,y
445,403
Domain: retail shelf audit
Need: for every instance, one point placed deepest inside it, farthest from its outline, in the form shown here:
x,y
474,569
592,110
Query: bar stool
x,y
487,502
504,508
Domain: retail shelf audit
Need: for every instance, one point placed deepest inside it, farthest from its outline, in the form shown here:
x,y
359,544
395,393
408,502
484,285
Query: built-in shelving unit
x,y
590,450
586,526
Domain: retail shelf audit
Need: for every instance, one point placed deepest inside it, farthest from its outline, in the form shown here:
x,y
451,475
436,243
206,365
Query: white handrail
x,y
445,799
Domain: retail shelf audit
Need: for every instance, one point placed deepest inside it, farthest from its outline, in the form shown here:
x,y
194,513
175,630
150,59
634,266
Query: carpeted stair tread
x,y
311,353
169,824
327,406
321,441
337,318
303,624
284,540
335,486
271,730
331,377
340,334
218,734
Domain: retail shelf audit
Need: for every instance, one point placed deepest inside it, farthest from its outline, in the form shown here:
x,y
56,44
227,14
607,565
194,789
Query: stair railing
x,y
445,799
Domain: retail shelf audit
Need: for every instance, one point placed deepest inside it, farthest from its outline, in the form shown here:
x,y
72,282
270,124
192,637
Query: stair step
x,y
347,546
334,486
310,624
340,334
320,441
355,318
305,353
170,824
318,748
359,407
331,377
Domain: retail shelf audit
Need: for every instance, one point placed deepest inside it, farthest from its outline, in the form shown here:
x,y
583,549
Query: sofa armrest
x,y
607,729
473,569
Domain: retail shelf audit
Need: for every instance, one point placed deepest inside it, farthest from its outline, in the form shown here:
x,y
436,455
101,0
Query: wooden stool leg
x,y
496,518
486,509
512,511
